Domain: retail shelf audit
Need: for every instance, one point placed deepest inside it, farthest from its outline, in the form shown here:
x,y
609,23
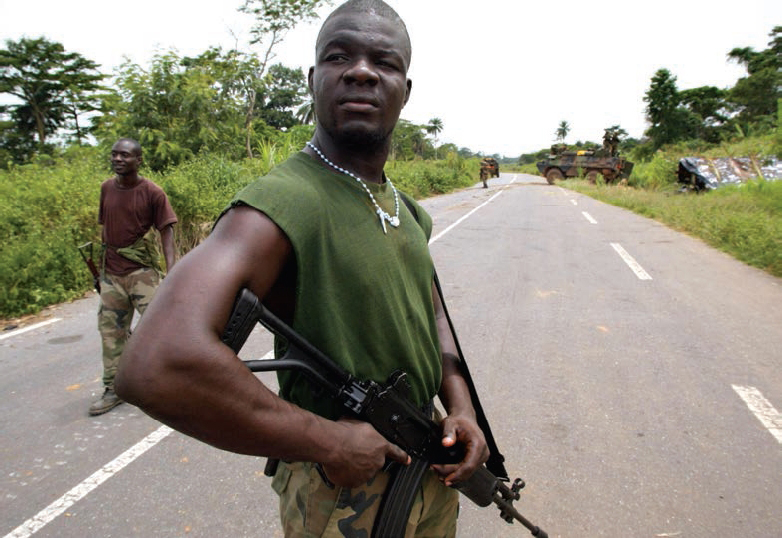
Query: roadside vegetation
x,y
744,221
50,207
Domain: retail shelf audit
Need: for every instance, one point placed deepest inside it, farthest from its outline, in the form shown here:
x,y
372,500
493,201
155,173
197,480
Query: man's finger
x,y
397,454
449,434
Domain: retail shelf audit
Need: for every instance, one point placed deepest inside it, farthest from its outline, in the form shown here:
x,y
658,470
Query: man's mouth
x,y
358,103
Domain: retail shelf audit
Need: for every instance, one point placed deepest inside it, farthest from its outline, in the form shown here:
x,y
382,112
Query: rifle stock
x,y
385,406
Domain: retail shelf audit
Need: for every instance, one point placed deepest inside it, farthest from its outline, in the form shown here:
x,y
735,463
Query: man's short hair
x,y
377,7
134,143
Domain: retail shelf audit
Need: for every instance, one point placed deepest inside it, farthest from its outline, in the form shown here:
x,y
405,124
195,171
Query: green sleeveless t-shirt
x,y
363,297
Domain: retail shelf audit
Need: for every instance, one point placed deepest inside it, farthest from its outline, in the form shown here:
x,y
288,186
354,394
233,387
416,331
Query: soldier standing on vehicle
x,y
327,243
130,205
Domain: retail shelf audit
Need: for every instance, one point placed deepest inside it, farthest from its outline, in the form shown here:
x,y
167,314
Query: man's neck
x,y
368,165
128,181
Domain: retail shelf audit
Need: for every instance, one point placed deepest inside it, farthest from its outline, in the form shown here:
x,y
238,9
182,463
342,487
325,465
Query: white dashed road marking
x,y
589,217
762,409
631,263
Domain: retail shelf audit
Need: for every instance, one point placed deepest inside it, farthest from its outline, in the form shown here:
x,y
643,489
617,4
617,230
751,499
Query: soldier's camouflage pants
x,y
120,296
309,508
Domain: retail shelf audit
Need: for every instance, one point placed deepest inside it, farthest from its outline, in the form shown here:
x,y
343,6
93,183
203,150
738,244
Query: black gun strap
x,y
495,464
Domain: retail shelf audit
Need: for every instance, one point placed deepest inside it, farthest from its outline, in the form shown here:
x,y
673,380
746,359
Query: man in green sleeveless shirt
x,y
330,246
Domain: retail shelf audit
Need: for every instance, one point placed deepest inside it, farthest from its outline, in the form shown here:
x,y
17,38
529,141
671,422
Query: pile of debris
x,y
703,173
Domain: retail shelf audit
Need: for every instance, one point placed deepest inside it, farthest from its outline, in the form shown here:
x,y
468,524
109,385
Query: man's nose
x,y
362,72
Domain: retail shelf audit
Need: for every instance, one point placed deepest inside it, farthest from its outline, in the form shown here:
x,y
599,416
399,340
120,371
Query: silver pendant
x,y
394,221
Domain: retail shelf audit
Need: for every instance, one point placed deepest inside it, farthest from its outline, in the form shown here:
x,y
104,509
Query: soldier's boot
x,y
107,402
485,186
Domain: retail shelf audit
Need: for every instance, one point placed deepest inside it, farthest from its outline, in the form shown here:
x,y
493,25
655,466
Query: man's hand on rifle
x,y
363,452
462,428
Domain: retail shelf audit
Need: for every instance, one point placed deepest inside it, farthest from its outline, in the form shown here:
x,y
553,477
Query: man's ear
x,y
407,93
309,79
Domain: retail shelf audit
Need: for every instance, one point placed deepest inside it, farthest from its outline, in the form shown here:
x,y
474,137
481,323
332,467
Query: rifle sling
x,y
495,464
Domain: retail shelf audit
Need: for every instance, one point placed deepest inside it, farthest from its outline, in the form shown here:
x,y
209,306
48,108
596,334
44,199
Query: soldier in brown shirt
x,y
130,205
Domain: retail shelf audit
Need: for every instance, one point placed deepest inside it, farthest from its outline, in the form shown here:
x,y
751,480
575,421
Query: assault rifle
x,y
385,406
86,254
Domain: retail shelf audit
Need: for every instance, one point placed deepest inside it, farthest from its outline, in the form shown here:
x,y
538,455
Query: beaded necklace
x,y
381,214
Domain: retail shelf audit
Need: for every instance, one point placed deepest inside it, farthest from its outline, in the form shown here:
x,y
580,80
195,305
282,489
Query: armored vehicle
x,y
562,164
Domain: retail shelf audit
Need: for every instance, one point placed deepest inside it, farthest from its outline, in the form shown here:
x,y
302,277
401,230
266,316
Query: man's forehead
x,y
124,146
380,31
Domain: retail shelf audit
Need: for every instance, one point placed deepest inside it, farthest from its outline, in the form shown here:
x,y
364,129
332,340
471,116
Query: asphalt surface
x,y
618,388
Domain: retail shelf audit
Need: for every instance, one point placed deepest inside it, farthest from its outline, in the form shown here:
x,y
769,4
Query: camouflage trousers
x,y
309,508
120,296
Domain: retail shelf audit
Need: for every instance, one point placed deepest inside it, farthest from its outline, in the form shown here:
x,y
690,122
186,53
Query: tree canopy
x,y
53,87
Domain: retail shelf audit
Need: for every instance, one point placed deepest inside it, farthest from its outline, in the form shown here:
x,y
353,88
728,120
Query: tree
x,y
562,131
434,128
708,105
619,131
52,85
178,107
755,96
306,112
284,91
670,122
408,141
273,19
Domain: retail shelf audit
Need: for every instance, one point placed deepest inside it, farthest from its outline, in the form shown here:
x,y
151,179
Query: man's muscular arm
x,y
176,368
460,424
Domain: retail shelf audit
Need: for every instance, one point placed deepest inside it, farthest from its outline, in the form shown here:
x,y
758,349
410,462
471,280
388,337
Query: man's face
x,y
359,82
125,159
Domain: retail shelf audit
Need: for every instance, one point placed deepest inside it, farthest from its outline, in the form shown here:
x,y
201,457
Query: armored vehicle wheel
x,y
591,176
553,175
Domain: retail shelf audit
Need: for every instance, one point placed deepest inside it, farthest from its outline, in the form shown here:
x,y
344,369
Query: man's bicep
x,y
246,249
256,247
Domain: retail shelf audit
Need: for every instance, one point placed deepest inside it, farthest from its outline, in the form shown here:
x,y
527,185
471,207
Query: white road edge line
x,y
762,409
29,328
631,263
463,218
589,217
45,516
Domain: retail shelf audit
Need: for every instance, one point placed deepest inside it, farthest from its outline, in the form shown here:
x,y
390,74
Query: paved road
x,y
637,395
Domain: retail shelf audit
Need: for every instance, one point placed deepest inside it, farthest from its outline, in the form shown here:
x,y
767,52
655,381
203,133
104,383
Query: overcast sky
x,y
500,74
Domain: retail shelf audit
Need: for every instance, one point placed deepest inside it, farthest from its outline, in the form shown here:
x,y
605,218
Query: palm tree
x,y
433,128
562,130
306,112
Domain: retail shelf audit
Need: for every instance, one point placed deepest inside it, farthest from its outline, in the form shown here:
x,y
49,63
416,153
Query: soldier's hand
x,y
362,454
465,430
